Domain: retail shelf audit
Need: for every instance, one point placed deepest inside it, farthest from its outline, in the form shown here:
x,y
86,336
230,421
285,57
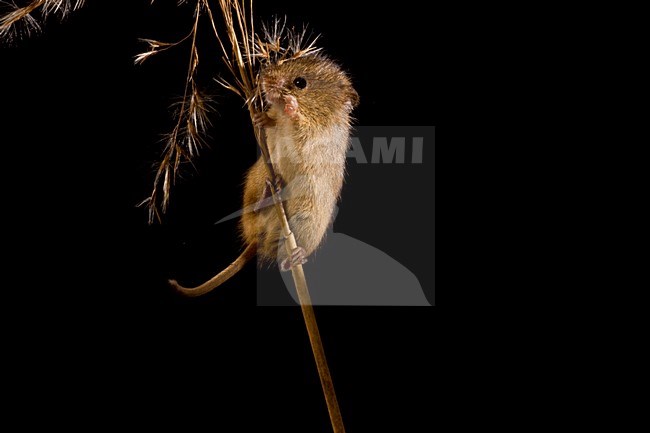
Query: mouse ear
x,y
353,97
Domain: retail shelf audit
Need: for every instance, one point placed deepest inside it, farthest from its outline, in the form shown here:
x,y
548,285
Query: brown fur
x,y
307,136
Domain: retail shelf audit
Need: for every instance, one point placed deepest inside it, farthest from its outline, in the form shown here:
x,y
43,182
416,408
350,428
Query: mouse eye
x,y
300,83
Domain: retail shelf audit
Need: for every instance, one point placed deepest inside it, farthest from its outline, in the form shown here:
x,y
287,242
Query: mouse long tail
x,y
221,277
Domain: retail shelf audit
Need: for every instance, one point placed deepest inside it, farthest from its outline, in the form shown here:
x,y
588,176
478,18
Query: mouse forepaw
x,y
262,120
298,257
290,106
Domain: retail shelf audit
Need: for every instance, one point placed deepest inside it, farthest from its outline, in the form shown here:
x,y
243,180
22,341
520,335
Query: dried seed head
x,y
18,21
279,43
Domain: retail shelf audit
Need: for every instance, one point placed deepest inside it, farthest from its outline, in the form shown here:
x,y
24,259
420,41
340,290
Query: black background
x,y
87,274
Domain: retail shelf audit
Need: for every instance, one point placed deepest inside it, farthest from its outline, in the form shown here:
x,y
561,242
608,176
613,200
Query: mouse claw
x,y
267,198
262,120
298,257
275,186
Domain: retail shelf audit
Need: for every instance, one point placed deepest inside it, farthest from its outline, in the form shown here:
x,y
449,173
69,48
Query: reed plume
x,y
19,21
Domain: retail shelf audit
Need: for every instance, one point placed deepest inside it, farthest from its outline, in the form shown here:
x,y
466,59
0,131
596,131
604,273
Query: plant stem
x,y
306,306
234,12
317,348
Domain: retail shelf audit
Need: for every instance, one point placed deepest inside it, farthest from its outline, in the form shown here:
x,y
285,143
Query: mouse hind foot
x,y
298,257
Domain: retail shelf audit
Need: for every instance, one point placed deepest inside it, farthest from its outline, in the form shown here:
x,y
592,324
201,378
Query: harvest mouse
x,y
307,127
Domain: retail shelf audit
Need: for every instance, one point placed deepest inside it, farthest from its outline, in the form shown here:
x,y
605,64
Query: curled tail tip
x,y
180,289
218,279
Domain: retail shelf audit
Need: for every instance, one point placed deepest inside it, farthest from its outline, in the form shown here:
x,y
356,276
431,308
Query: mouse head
x,y
310,88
